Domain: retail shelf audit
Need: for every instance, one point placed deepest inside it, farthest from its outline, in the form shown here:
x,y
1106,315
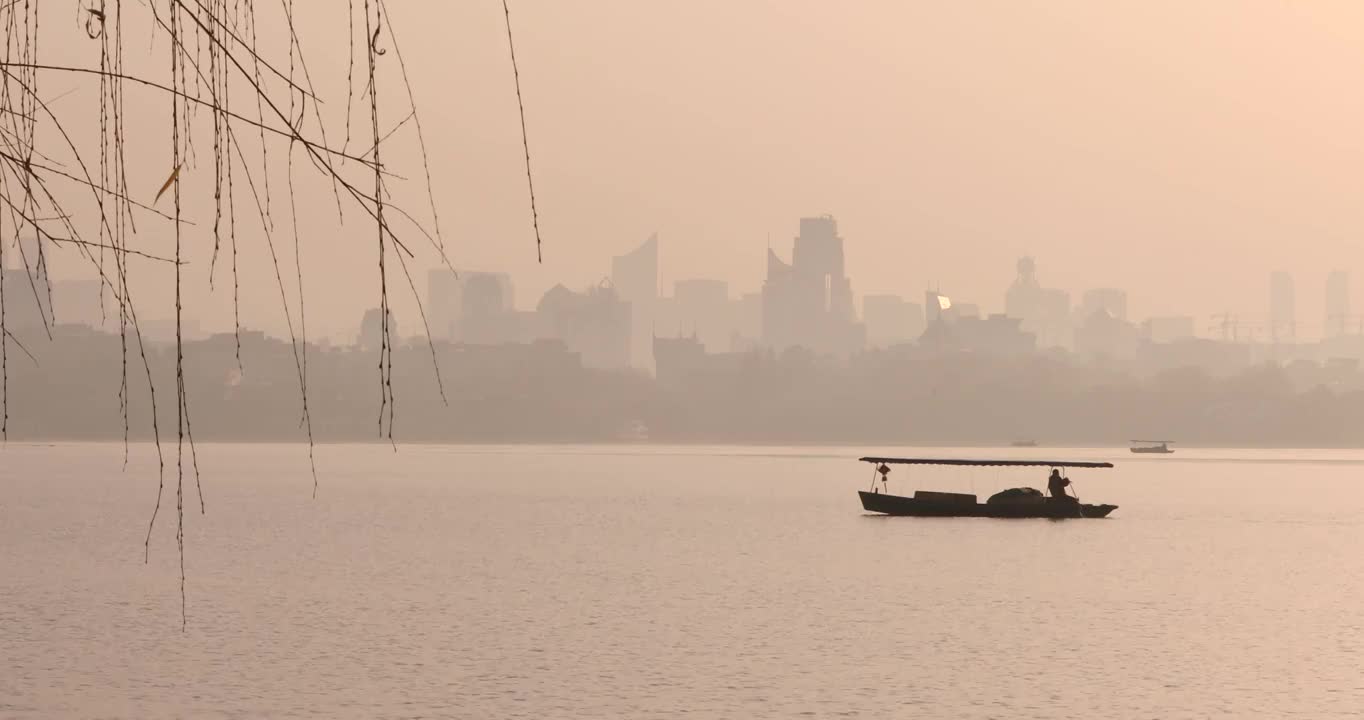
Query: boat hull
x,y
1152,451
887,504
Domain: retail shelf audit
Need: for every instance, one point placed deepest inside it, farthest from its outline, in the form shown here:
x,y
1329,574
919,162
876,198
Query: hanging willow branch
x,y
223,83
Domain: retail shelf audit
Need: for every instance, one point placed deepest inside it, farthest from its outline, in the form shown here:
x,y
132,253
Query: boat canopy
x,y
987,463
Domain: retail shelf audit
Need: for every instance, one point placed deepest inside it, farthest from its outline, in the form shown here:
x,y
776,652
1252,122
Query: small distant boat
x,y
1023,443
634,431
1159,447
1011,503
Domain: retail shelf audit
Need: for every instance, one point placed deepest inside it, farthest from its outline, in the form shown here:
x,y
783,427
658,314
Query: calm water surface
x,y
650,582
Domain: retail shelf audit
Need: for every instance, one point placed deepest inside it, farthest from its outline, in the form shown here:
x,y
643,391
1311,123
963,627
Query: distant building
x,y
635,277
808,303
1045,312
937,308
1110,300
996,335
443,296
682,359
748,322
1104,335
27,305
473,307
702,308
890,320
1282,310
1167,329
372,330
595,324
488,314
1337,303
966,310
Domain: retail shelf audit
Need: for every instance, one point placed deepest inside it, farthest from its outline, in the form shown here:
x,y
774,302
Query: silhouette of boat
x,y
1011,503
1023,443
1159,447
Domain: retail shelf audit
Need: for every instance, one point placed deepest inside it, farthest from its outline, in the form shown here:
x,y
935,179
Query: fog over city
x,y
1181,152
1067,208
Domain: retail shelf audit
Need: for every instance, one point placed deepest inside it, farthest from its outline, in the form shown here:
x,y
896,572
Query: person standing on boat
x,y
1056,485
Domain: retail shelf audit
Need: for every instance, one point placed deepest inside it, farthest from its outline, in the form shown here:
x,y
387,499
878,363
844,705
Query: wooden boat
x,y
1159,447
1013,503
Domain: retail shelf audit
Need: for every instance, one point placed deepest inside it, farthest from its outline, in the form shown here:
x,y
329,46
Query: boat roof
x,y
988,463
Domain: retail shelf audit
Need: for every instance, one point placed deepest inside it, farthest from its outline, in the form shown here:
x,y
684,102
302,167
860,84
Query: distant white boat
x,y
634,431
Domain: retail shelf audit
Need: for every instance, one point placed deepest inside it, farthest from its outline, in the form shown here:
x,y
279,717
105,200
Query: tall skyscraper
x,y
1282,310
634,276
809,302
1337,302
937,308
1045,312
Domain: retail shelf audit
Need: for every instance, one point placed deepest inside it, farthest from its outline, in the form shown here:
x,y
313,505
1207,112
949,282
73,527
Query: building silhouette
x,y
487,311
474,307
443,295
1337,302
891,320
1104,335
1045,312
595,324
701,307
808,303
937,309
635,278
371,335
1107,300
1282,310
747,312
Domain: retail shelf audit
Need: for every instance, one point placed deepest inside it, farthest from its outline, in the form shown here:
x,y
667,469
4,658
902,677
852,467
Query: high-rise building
x,y
635,278
937,308
1282,312
471,307
372,330
1107,300
808,303
890,320
487,311
1045,312
1337,302
595,324
702,309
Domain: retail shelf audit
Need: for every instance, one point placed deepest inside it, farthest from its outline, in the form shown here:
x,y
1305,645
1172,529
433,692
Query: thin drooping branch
x,y
62,195
525,142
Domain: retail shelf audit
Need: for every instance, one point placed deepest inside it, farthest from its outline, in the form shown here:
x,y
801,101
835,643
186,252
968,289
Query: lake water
x,y
660,582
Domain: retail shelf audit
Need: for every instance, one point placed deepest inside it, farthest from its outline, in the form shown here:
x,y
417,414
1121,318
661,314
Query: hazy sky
x,y
1182,150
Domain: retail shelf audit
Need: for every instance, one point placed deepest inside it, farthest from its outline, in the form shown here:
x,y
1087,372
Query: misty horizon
x,y
1128,145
